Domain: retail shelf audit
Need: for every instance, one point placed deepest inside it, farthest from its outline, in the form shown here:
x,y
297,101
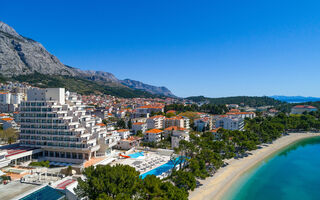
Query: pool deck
x,y
144,161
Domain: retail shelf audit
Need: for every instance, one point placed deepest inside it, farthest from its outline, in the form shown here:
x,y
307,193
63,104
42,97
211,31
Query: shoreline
x,y
216,186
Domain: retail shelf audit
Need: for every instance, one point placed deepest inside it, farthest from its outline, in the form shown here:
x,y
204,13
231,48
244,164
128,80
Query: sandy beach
x,y
214,187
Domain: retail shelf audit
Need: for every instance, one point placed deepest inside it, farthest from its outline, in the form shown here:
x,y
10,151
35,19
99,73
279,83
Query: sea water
x,y
291,174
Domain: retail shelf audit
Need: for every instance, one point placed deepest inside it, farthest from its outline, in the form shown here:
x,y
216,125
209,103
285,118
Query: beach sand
x,y
215,187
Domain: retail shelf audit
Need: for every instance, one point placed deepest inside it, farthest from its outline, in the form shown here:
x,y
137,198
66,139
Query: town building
x,y
129,143
139,126
230,123
243,115
8,122
178,121
300,109
124,133
153,135
155,122
203,124
177,136
170,130
56,122
150,109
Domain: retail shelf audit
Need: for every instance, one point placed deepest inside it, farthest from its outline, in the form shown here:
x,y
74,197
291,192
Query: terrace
x,y
145,162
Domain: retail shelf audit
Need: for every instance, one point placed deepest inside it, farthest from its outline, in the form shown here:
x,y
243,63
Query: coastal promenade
x,y
215,187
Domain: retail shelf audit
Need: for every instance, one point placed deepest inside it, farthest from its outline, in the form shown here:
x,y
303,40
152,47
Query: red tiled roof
x,y
156,116
174,128
122,130
239,113
171,111
101,124
215,130
154,131
151,106
7,119
138,123
305,106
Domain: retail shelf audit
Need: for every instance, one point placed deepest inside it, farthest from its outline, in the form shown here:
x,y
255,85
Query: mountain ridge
x,y
20,55
295,99
149,88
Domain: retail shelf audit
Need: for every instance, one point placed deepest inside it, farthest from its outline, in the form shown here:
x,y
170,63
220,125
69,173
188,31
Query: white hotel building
x,y
56,121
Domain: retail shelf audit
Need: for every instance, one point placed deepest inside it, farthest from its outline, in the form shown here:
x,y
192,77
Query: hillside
x,y
20,56
246,100
149,88
79,85
296,99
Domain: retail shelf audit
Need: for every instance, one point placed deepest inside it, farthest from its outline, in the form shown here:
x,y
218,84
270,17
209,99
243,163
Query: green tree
x,y
185,180
154,188
117,182
129,124
139,133
9,135
121,124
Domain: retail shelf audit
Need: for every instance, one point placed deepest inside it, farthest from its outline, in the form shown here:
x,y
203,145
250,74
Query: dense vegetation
x,y
2,79
204,155
123,182
246,100
79,85
207,151
286,107
208,108
8,136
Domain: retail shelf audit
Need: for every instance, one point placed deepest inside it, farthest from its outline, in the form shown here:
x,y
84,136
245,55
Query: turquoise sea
x,y
291,174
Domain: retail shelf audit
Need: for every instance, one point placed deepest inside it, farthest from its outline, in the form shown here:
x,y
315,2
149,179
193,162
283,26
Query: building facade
x,y
230,123
300,109
56,121
155,122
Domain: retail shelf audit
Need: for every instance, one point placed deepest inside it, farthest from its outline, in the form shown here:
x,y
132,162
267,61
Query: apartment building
x,y
8,122
5,98
203,124
129,143
178,121
153,135
177,136
9,102
172,129
139,126
230,123
243,115
299,109
150,108
56,121
155,122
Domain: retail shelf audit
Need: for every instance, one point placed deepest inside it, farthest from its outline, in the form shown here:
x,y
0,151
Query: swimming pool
x,y
136,155
162,169
45,193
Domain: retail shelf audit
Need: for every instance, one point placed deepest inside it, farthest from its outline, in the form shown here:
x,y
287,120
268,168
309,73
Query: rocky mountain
x,y
98,76
149,88
22,56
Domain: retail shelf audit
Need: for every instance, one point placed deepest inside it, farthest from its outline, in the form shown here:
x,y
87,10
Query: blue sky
x,y
211,48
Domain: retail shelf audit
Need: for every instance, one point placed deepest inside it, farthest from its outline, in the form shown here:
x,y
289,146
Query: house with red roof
x,y
300,109
139,126
153,135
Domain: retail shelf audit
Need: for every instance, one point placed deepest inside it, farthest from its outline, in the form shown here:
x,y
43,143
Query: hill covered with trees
x,y
79,85
246,100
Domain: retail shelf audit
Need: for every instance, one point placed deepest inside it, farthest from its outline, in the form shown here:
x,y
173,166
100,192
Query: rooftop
x,y
154,131
122,130
45,193
175,128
